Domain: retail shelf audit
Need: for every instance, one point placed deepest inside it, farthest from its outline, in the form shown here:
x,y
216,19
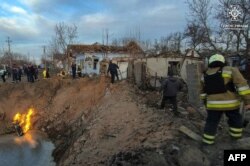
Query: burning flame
x,y
24,120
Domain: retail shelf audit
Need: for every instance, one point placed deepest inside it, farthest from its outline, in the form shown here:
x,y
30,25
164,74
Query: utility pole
x,y
107,37
107,41
9,54
102,36
44,53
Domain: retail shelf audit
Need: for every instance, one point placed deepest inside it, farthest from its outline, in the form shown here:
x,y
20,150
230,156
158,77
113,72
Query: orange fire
x,y
24,119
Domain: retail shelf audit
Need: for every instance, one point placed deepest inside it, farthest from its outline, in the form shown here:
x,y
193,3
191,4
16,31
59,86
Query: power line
x,y
8,41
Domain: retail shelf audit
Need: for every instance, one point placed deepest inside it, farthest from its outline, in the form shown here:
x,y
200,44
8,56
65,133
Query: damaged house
x,y
93,59
149,71
241,62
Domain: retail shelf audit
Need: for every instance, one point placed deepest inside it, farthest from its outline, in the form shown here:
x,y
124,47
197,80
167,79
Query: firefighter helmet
x,y
216,57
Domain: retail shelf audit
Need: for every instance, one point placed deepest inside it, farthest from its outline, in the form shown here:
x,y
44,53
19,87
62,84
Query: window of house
x,y
174,66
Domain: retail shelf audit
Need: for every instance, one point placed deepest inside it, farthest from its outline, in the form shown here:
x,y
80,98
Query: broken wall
x,y
157,68
188,61
123,66
193,83
139,72
130,70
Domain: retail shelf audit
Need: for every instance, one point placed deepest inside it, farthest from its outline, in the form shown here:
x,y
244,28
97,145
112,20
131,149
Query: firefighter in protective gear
x,y
223,87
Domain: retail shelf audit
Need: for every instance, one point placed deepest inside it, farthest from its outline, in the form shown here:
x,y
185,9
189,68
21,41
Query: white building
x,y
89,57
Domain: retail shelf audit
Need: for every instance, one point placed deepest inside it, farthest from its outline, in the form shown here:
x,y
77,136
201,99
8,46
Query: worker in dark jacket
x,y
3,76
170,87
113,71
222,89
73,68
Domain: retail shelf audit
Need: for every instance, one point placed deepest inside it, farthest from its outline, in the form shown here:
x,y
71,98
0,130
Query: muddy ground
x,y
94,123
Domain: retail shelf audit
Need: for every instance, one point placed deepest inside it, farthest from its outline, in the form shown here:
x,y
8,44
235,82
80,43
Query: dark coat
x,y
113,68
171,86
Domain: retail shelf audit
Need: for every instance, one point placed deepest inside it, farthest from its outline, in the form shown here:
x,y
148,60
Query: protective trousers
x,y
113,75
213,118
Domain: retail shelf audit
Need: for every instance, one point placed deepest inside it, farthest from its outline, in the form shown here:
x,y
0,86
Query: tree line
x,y
206,31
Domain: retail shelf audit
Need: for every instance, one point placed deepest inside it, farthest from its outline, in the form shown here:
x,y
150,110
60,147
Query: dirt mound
x,y
123,123
53,95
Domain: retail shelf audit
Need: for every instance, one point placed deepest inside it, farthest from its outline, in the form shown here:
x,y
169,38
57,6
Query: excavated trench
x,y
91,122
84,120
62,108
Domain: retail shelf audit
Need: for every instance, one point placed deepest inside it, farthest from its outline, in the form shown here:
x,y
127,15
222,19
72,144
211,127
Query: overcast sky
x,y
30,23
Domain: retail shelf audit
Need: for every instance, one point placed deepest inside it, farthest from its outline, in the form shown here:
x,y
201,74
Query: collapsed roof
x,y
131,48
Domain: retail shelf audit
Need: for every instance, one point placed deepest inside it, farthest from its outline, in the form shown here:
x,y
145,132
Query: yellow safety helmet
x,y
216,57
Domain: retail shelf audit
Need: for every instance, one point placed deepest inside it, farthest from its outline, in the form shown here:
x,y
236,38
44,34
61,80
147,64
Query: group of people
x,y
17,72
223,89
31,72
112,69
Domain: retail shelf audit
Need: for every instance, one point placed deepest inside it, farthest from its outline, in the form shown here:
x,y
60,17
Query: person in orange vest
x,y
223,88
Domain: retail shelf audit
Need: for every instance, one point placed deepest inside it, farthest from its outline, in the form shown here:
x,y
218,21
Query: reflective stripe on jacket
x,y
228,100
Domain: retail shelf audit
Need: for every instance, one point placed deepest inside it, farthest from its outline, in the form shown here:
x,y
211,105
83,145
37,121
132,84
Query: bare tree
x,y
176,39
157,47
115,42
147,44
240,37
196,34
171,43
199,28
64,35
17,58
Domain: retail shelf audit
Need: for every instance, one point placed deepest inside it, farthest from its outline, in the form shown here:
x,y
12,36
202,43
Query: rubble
x,y
243,143
192,156
190,133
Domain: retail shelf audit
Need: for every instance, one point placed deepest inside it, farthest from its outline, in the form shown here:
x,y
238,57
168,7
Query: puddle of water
x,y
32,149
